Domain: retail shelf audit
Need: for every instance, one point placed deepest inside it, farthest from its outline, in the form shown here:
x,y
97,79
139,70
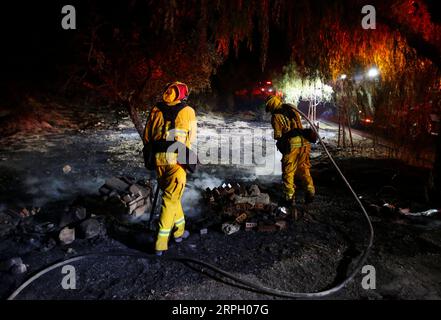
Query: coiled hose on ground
x,y
248,284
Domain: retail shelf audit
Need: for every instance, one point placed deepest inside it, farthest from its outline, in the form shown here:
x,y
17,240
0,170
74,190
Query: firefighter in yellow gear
x,y
294,147
171,120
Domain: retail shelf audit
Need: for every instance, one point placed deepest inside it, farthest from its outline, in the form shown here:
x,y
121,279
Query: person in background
x,y
295,149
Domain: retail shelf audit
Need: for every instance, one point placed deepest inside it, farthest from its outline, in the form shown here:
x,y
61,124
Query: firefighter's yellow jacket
x,y
295,159
171,175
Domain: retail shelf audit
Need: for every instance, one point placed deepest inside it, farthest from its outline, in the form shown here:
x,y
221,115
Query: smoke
x,y
46,189
193,193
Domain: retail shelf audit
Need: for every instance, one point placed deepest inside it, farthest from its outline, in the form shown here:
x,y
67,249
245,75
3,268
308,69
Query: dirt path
x,y
310,255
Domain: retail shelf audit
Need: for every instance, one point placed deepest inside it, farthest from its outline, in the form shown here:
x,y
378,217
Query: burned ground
x,y
312,254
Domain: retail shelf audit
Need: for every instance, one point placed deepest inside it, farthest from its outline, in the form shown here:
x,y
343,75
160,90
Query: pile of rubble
x,y
8,222
43,233
10,219
244,207
130,197
13,265
75,223
45,230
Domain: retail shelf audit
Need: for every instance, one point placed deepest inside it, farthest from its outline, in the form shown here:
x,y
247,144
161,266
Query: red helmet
x,y
181,89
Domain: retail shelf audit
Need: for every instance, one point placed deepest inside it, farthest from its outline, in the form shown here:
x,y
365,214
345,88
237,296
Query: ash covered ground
x,y
314,253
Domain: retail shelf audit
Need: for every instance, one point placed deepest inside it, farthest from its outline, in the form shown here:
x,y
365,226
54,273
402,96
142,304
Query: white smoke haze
x,y
238,146
234,149
193,192
46,189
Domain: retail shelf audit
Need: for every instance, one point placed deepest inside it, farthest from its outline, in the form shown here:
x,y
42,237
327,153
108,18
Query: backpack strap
x,y
170,113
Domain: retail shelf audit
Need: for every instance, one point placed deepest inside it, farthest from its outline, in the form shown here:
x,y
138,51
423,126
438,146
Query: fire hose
x,y
248,284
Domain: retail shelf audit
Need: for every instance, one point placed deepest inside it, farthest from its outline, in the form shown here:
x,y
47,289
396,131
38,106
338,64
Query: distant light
x,y
262,89
269,82
373,73
270,90
343,77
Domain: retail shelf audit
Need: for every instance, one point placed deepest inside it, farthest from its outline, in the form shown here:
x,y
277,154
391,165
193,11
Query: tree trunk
x,y
436,175
134,116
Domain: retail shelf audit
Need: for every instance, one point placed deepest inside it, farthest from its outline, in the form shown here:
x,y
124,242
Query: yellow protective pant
x,y
296,164
171,179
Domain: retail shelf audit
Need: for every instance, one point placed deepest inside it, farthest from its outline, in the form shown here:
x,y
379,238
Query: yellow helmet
x,y
273,103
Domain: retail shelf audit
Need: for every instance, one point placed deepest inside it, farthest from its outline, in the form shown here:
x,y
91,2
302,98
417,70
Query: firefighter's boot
x,y
184,236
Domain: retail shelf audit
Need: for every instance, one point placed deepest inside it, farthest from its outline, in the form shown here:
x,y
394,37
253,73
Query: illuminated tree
x,y
164,40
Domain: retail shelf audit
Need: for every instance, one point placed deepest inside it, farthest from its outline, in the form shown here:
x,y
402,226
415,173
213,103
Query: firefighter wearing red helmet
x,y
171,121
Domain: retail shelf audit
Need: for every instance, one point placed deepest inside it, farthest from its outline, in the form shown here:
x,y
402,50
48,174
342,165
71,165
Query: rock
x,y
67,235
127,198
104,190
116,184
34,211
281,224
262,198
229,228
259,206
254,191
140,211
138,190
243,206
242,218
250,226
24,213
13,265
73,215
70,251
89,229
267,228
8,264
7,223
6,229
79,213
19,269
49,245
135,196
67,169
6,219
